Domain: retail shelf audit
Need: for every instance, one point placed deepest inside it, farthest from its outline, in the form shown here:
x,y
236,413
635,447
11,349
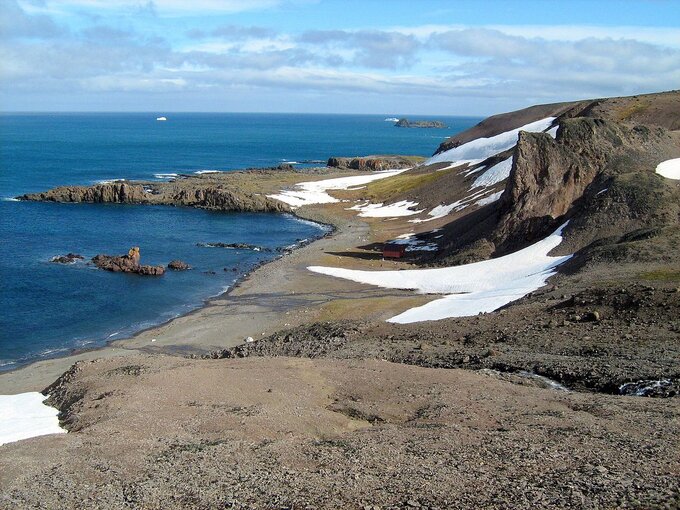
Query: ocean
x,y
51,309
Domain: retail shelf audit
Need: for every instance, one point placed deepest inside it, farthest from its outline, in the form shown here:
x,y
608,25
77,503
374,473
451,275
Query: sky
x,y
397,57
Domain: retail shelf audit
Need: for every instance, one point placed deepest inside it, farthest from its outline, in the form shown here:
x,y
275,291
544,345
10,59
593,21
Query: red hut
x,y
393,250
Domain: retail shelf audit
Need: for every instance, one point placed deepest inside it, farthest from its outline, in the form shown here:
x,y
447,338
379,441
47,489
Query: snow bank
x,y
414,244
24,415
670,169
443,210
490,199
314,192
494,175
394,210
473,288
479,149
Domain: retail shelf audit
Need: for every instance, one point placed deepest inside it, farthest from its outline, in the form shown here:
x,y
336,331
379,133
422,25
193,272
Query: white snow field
x,y
670,169
490,199
472,288
380,210
314,192
24,415
479,149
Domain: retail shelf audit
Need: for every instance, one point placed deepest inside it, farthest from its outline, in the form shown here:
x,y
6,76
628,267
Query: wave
x,y
391,119
201,172
10,199
166,176
109,181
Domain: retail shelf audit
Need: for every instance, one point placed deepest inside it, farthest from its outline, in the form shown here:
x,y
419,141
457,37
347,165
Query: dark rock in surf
x,y
69,258
178,265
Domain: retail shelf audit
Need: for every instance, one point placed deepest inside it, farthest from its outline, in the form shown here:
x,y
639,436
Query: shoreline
x,y
327,230
271,297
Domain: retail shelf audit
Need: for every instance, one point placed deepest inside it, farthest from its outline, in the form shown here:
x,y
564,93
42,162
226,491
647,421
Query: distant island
x,y
405,123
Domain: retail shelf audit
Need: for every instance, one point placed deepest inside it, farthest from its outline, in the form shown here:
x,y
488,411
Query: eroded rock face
x,y
129,263
553,179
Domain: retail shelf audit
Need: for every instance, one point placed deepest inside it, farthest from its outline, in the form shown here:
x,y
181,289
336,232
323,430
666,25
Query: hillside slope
x,y
590,162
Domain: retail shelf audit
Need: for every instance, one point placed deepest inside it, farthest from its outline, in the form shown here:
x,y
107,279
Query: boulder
x,y
178,265
129,263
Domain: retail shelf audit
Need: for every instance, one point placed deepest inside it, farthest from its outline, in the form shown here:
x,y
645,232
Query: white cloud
x,y
193,7
477,67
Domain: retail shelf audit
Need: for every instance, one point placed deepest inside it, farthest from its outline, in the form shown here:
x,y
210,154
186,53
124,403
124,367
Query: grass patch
x,y
361,308
667,275
384,189
637,107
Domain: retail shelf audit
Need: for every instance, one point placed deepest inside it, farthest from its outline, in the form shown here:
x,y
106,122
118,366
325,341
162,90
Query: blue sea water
x,y
50,309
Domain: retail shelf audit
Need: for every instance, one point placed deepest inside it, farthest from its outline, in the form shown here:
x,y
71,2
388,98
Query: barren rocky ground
x,y
161,432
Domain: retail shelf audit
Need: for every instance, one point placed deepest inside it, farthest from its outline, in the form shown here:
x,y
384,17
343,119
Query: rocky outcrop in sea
x,y
129,263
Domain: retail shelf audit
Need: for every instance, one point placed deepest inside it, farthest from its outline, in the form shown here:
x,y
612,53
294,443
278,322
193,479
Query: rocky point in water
x,y
233,246
405,123
69,258
178,265
129,263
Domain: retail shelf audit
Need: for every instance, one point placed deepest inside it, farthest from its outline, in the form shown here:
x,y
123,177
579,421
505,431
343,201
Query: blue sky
x,y
370,56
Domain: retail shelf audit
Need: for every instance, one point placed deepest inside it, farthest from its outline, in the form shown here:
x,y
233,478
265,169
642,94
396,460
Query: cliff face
x,y
555,179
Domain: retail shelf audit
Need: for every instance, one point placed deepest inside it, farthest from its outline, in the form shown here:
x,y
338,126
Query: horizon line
x,y
168,112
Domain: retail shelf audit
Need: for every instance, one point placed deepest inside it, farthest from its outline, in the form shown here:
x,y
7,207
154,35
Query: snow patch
x,y
472,288
24,415
494,174
413,243
479,149
490,199
553,131
443,210
397,209
314,192
670,169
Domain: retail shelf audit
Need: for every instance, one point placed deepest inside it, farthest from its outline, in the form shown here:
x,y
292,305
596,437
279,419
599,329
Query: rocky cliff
x,y
576,174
